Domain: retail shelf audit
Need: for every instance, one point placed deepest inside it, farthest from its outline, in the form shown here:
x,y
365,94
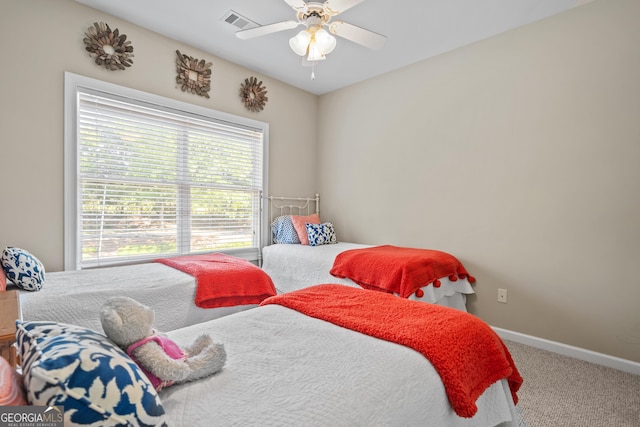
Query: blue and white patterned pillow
x,y
321,234
283,231
82,370
23,269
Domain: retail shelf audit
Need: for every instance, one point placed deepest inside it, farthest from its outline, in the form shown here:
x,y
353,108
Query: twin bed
x,y
75,297
297,266
294,360
293,267
295,368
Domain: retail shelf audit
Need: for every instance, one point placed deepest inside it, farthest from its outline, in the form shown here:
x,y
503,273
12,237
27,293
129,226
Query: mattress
x,y
287,369
293,267
75,297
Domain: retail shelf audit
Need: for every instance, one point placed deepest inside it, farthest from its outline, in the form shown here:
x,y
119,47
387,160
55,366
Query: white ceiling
x,y
415,30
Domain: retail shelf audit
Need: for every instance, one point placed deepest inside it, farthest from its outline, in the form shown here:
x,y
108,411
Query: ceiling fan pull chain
x,y
313,70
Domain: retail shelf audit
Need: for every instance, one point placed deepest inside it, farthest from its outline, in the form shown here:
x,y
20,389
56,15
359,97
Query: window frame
x,y
73,84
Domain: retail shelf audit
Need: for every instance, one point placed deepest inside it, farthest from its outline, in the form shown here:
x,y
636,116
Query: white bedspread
x,y
75,297
293,267
287,369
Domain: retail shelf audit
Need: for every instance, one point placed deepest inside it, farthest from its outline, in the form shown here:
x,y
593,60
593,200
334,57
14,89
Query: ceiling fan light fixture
x,y
325,41
315,43
300,42
315,54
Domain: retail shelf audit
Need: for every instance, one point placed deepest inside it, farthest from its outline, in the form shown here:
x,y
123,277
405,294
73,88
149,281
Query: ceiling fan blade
x,y
357,34
334,7
297,5
266,29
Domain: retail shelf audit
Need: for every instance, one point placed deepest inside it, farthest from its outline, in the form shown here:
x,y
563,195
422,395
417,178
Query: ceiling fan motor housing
x,y
317,10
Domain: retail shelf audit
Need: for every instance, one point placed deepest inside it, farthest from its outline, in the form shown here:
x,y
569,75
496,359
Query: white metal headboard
x,y
292,206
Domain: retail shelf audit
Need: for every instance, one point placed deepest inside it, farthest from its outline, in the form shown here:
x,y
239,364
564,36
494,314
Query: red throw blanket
x,y
397,270
467,354
223,280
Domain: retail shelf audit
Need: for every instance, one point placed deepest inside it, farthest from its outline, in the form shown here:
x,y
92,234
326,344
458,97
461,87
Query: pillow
x,y
11,388
321,234
3,280
23,269
82,370
282,230
299,224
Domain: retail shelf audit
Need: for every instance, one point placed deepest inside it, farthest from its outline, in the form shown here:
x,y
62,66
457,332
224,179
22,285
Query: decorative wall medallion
x,y
193,75
253,94
109,48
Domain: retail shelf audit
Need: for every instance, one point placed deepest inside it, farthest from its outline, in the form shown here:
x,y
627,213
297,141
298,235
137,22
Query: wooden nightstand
x,y
9,312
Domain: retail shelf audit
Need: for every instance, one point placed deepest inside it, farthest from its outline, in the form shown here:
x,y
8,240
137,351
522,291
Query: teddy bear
x,y
129,324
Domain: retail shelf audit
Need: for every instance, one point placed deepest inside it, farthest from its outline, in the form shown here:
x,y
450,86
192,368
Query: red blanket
x,y
467,354
223,280
397,270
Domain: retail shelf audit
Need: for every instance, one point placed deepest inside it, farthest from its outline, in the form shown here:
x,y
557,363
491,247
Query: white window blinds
x,y
154,181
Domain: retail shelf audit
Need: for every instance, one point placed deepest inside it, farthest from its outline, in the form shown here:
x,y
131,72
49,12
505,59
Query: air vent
x,y
238,21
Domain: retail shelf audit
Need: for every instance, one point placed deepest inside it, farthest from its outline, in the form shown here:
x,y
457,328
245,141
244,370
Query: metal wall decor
x,y
193,75
109,48
253,94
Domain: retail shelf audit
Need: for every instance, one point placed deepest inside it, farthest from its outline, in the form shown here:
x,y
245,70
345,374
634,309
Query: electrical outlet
x,y
502,296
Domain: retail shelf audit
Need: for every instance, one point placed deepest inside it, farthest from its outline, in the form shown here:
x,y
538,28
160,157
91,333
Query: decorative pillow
x,y
321,234
299,223
23,269
3,280
11,388
82,370
283,231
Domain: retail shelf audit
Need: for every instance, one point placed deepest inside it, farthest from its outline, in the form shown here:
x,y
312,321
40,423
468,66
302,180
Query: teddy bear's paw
x,y
198,344
217,356
210,360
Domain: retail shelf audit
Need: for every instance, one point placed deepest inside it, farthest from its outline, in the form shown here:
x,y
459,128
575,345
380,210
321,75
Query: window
x,y
149,177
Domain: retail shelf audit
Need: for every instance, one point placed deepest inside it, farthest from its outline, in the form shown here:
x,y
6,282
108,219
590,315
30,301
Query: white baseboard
x,y
571,351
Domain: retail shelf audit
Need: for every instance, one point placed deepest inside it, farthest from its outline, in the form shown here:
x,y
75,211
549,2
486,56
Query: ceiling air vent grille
x,y
238,21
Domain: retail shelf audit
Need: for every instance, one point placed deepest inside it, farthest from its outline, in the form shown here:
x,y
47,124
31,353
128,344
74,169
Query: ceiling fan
x,y
314,42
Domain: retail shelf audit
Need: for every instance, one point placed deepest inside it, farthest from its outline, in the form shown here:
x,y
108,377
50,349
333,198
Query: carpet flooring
x,y
561,391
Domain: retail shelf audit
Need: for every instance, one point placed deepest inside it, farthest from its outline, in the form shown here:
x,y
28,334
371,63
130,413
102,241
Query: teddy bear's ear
x,y
110,319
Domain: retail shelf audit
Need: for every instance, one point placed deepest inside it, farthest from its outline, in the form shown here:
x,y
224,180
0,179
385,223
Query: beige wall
x,y
519,154
39,41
